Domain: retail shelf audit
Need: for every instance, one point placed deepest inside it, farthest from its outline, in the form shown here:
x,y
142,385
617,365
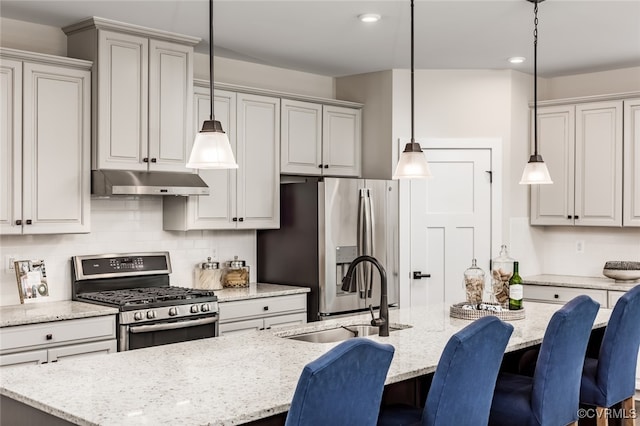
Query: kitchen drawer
x,y
57,333
261,307
562,294
24,358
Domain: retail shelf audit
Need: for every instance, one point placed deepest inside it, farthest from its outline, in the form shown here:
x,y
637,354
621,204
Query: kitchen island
x,y
230,379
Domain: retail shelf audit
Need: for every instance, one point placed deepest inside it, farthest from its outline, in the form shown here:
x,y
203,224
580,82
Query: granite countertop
x,y
599,283
231,379
258,290
34,313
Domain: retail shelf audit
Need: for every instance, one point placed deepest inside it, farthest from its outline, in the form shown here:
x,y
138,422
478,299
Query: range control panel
x,y
121,265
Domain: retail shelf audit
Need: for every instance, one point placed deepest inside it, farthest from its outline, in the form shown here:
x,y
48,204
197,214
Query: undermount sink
x,y
343,332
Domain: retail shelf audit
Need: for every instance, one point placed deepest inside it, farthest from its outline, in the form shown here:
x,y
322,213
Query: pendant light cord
x,y
412,102
535,78
211,114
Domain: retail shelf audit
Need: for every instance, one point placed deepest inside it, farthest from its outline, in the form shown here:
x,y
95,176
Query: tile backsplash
x,y
122,225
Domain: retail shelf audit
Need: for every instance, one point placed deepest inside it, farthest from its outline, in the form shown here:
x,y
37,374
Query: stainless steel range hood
x,y
127,182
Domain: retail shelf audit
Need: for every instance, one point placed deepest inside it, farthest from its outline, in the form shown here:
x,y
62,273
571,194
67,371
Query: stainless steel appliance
x,y
151,311
325,223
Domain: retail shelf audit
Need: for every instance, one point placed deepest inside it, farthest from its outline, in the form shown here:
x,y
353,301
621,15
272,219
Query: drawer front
x,y
24,358
82,350
239,327
59,332
562,294
262,307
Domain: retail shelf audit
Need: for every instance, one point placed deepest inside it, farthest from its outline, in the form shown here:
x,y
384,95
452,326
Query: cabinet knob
x,y
145,159
235,219
576,217
569,216
18,222
319,166
154,160
49,336
29,222
326,166
265,308
556,296
241,219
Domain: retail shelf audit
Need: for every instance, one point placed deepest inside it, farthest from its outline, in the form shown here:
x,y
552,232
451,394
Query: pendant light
x,y
535,172
412,163
211,148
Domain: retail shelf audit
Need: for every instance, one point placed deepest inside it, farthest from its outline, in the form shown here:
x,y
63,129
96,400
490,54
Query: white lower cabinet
x,y
262,314
56,341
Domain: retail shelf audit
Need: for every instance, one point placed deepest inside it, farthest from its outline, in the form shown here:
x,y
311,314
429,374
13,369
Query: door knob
x,y
417,275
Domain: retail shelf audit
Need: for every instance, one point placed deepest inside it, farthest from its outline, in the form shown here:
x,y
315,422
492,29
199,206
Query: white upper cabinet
x,y
46,104
144,86
320,140
631,197
244,198
582,146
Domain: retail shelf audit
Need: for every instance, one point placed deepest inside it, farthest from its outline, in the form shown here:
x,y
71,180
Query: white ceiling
x,y
325,37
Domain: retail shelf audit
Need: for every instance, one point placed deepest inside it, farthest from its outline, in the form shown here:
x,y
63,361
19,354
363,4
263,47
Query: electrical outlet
x,y
579,246
9,262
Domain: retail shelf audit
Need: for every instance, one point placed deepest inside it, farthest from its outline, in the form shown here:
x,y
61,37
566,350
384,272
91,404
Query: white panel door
x,y
631,197
554,204
450,223
170,105
341,130
301,138
10,146
56,150
123,85
258,157
598,164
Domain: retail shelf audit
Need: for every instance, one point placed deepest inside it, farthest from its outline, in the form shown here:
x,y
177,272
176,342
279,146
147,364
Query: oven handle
x,y
171,325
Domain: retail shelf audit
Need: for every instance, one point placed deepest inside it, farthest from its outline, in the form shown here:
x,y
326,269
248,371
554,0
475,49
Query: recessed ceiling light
x,y
369,17
517,59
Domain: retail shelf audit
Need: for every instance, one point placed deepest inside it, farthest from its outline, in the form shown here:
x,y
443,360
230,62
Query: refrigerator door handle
x,y
365,242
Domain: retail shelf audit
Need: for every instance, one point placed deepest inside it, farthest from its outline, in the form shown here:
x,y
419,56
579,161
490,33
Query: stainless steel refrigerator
x,y
325,223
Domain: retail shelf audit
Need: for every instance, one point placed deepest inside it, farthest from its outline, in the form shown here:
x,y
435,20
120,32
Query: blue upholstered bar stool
x,y
342,387
610,378
463,383
550,397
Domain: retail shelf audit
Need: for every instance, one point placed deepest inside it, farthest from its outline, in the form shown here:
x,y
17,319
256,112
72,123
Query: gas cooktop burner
x,y
148,296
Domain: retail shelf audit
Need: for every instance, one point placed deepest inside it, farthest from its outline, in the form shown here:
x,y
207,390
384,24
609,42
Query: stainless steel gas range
x,y
151,311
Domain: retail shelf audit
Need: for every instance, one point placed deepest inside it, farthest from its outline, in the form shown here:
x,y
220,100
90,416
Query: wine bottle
x,y
515,289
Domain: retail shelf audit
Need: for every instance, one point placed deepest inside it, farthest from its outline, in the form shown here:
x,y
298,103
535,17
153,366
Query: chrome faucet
x,y
383,321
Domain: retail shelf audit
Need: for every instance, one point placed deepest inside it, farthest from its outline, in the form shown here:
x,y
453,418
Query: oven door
x,y
137,336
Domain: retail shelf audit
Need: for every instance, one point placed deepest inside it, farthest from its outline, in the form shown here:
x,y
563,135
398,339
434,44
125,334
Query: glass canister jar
x,y
474,283
501,272
237,274
209,275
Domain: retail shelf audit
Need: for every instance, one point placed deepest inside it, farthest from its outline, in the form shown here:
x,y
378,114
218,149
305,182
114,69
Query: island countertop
x,y
231,379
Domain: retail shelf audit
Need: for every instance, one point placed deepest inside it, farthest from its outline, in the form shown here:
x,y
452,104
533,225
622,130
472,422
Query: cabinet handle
x,y
319,166
235,219
154,160
29,222
265,308
569,216
145,159
18,222
556,296
49,336
326,166
576,217
241,219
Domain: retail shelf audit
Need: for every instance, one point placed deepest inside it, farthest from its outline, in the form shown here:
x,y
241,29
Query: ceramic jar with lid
x,y
474,283
501,273
209,275
237,274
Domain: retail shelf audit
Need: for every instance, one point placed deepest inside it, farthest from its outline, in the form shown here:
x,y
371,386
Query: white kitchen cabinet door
x,y
631,186
122,84
170,105
285,320
258,157
24,358
341,140
554,204
239,327
598,164
10,146
301,138
64,353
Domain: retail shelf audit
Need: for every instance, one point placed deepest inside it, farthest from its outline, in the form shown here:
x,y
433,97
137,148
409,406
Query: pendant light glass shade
x,y
211,147
535,172
412,164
